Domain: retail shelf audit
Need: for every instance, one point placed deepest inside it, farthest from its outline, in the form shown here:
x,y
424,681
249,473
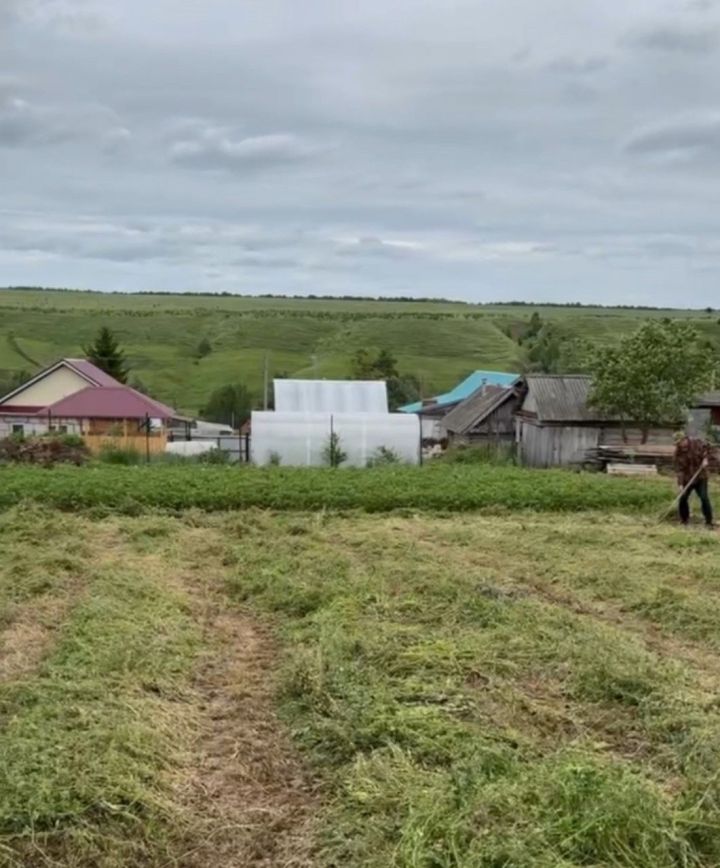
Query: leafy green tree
x,y
228,405
105,353
652,376
552,351
385,365
402,389
366,366
204,348
534,327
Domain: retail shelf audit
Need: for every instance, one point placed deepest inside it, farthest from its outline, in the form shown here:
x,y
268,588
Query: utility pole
x,y
265,390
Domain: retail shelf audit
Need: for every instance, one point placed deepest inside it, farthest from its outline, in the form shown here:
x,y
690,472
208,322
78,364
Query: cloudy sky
x,y
474,149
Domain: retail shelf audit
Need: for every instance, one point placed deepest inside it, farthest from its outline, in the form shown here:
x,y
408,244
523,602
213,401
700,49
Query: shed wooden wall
x,y
555,446
499,427
613,436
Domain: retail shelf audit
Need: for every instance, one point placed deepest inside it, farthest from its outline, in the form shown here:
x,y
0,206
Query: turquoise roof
x,y
466,388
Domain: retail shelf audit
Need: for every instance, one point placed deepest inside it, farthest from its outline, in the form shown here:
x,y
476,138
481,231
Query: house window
x,y
18,429
62,429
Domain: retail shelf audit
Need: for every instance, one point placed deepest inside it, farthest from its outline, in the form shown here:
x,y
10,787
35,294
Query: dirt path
x,y
247,792
248,799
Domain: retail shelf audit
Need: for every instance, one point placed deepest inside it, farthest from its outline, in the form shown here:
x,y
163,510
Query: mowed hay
x,y
474,697
257,689
144,733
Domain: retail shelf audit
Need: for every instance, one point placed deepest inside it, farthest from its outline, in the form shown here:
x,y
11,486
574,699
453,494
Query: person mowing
x,y
692,461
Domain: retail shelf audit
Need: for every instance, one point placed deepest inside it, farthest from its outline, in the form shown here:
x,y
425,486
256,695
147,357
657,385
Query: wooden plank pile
x,y
638,455
632,470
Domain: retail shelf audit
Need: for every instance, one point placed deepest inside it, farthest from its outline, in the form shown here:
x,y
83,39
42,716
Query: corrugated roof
x,y
92,372
560,398
19,409
330,396
473,410
466,388
709,399
109,402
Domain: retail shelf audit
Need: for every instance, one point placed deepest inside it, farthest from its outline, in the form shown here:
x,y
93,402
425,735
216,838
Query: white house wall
x,y
52,388
35,425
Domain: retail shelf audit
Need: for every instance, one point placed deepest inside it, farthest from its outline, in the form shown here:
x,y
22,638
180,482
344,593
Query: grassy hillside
x,y
439,342
385,691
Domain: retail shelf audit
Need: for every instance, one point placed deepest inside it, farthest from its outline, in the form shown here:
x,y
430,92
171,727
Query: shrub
x,y
111,454
214,456
383,456
485,453
46,450
333,454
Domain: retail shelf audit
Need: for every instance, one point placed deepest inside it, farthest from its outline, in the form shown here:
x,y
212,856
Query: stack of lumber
x,y
632,470
644,454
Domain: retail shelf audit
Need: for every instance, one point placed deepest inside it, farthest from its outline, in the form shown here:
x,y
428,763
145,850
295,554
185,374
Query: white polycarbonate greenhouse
x,y
301,439
330,396
309,412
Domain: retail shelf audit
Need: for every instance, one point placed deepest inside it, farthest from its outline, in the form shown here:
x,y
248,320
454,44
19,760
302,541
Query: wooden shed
x,y
556,427
487,416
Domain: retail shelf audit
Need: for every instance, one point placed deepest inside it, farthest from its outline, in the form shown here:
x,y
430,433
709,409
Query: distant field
x,y
439,342
315,689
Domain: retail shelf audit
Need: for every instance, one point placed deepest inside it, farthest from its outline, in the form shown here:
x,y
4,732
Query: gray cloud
x,y
575,66
329,147
24,124
73,17
677,38
217,148
28,124
690,137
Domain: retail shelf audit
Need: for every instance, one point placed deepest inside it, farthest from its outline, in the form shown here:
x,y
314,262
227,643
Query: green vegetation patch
x,y
448,488
87,737
461,716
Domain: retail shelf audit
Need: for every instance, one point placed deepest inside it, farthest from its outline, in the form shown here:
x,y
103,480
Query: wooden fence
x,y
153,443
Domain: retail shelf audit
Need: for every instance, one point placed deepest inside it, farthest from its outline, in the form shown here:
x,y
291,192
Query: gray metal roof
x,y
560,398
475,409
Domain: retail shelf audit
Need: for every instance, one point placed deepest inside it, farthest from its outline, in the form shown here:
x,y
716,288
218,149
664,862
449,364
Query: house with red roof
x,y
74,396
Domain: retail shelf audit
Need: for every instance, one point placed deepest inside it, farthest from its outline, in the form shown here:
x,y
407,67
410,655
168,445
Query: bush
x,y
383,456
485,453
46,450
214,456
71,441
111,454
333,454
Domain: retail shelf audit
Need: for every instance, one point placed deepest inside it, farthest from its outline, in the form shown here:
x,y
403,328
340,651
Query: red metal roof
x,y
109,402
19,410
92,372
85,369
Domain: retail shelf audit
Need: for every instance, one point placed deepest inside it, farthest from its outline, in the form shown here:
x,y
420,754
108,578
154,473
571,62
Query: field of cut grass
x,y
318,689
438,342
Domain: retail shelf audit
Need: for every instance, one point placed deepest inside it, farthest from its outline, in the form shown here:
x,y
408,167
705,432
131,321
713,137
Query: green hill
x,y
439,341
